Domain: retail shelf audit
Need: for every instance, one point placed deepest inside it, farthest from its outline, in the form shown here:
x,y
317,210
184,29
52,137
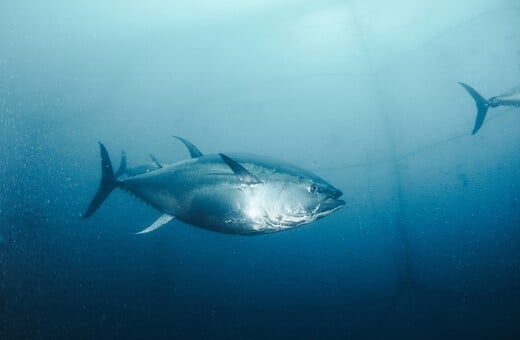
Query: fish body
x,y
228,193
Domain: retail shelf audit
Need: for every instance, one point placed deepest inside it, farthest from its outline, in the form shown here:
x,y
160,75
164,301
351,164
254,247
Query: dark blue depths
x,y
428,264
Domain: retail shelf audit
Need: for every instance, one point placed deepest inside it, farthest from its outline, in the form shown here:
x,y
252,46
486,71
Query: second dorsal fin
x,y
194,151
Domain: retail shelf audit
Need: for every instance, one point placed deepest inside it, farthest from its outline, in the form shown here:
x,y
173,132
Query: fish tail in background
x,y
108,182
122,165
482,106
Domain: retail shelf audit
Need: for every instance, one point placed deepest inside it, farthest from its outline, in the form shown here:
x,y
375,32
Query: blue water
x,y
363,93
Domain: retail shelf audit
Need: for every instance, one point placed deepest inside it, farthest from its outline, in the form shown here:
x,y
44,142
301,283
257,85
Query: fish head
x,y
295,199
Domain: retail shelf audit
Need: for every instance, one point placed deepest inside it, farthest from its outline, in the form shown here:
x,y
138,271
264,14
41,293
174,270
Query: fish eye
x,y
313,188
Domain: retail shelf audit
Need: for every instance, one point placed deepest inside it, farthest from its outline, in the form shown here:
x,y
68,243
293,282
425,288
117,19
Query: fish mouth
x,y
330,204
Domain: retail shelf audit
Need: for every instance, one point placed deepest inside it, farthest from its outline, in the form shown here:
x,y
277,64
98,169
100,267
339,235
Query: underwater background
x,y
362,93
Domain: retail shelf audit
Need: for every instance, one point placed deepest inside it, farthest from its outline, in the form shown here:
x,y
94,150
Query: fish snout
x,y
331,193
336,193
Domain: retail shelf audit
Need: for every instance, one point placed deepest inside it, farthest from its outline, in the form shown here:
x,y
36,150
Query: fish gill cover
x,y
362,93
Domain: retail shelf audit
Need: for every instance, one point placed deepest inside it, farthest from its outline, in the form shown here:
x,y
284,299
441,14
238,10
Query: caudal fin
x,y
108,183
482,106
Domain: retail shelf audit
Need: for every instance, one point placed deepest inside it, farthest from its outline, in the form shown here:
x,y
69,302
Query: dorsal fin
x,y
194,151
155,161
245,176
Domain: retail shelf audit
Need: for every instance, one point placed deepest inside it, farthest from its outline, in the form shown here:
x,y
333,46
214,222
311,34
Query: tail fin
x,y
108,183
482,106
122,165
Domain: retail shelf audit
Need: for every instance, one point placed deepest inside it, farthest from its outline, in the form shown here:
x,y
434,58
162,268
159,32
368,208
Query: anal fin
x,y
163,219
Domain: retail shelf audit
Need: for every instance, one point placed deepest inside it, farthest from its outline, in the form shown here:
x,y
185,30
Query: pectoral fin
x,y
245,176
165,218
